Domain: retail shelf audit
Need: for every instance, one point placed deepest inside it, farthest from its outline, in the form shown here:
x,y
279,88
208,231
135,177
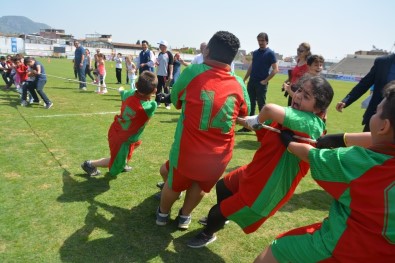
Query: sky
x,y
333,28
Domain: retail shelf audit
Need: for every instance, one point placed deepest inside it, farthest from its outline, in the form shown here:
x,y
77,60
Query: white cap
x,y
163,42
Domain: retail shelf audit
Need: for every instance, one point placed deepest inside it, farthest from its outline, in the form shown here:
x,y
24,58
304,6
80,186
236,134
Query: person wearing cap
x,y
164,71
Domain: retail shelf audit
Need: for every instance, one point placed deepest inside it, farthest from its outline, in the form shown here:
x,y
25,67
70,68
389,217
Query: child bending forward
x,y
124,133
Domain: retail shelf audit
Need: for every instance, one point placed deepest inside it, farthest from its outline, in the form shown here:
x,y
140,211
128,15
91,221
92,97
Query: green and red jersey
x,y
361,222
211,97
270,179
128,127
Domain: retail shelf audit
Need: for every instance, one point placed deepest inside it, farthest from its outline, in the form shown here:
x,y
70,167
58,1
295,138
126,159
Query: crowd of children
x,y
354,168
29,77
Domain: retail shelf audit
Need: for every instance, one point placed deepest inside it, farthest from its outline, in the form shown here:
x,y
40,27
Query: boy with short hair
x,y
252,193
315,64
361,222
124,133
211,97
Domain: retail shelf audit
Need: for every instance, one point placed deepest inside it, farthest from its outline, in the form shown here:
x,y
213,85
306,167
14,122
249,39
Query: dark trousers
x,y
75,72
29,86
88,72
162,86
6,78
118,73
81,77
257,93
215,219
32,87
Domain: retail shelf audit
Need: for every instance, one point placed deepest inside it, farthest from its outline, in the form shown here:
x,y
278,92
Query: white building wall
x,y
11,45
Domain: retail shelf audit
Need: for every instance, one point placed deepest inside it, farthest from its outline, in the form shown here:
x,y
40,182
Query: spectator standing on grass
x,y
177,68
88,63
95,71
198,59
164,70
118,68
79,64
125,132
303,52
38,71
126,68
210,99
146,58
382,72
263,60
101,73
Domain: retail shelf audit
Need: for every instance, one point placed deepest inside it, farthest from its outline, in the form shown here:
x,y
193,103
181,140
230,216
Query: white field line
x,y
75,114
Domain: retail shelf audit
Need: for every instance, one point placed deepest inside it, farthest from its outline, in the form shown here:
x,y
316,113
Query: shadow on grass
x,y
247,144
76,191
314,199
132,237
186,254
173,120
9,100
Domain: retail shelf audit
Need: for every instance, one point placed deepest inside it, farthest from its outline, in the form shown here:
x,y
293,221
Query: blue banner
x,y
14,48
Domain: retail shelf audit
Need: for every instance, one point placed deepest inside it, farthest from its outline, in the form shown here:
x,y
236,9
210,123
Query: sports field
x,y
50,211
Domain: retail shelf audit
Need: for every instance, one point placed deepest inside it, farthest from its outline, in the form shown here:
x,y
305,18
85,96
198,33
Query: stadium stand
x,y
355,65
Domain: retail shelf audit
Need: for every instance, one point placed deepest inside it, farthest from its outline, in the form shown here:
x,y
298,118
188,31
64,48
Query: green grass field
x,y
50,211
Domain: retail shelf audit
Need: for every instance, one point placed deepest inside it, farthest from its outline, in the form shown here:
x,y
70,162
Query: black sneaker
x,y
201,240
244,130
89,168
160,185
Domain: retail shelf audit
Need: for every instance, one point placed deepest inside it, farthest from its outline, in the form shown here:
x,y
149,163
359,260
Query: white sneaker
x,y
105,90
168,107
